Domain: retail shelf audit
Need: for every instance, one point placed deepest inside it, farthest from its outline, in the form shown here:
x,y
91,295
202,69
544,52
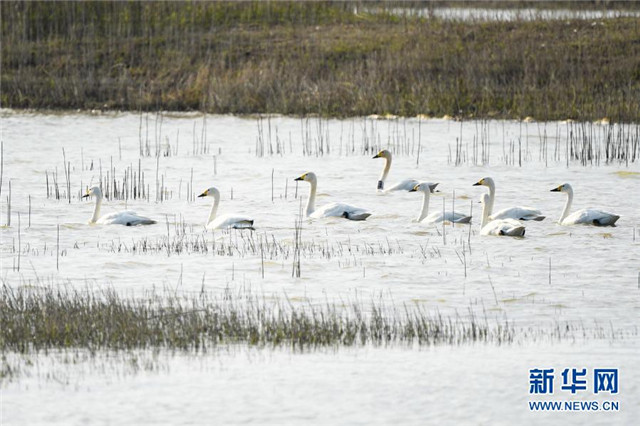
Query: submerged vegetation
x,y
333,58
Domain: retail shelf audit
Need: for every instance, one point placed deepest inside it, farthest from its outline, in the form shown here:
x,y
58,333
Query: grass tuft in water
x,y
36,319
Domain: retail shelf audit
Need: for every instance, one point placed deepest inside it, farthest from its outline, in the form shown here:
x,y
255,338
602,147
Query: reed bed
x,y
46,318
235,243
571,143
36,319
327,58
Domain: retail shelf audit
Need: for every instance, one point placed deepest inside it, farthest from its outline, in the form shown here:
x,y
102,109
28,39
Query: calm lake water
x,y
584,276
478,14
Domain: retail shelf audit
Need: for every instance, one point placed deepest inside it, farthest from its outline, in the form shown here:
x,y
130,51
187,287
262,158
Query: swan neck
x,y
96,209
311,202
567,205
485,215
492,196
214,208
385,171
425,206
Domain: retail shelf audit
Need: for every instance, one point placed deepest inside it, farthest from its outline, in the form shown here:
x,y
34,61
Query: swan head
x,y
211,192
565,187
383,154
95,191
426,187
487,181
308,177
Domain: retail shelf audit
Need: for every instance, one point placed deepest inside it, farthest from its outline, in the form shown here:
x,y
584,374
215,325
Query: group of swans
x,y
505,222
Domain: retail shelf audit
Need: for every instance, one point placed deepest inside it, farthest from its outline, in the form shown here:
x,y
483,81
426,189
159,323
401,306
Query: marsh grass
x,y
34,319
584,143
571,143
48,318
313,58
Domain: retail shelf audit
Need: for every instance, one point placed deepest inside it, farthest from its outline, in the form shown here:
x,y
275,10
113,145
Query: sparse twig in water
x,y
493,289
1,164
58,248
9,205
19,242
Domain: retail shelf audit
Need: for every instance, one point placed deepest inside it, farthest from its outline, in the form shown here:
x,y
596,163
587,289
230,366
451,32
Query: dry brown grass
x,y
319,58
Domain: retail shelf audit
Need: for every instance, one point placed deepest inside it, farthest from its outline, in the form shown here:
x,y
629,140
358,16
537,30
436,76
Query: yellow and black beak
x,y
558,189
478,183
301,177
415,188
87,195
376,156
204,194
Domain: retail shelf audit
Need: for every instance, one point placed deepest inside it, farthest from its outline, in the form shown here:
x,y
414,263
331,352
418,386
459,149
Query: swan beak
x,y
376,156
86,195
299,178
414,189
558,189
204,194
479,183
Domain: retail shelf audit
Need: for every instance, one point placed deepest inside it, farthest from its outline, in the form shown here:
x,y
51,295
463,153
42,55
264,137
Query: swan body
x,y
518,213
332,209
499,227
126,218
224,221
583,216
436,217
403,185
503,227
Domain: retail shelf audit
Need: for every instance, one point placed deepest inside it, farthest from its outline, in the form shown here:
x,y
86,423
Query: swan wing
x,y
341,210
518,213
127,218
233,221
591,217
455,217
405,185
504,227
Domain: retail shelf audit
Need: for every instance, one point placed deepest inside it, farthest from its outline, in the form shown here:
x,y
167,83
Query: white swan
x,y
519,213
500,227
404,185
583,216
436,217
127,218
224,221
333,209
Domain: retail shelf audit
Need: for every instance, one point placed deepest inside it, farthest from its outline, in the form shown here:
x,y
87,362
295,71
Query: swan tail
x,y
537,218
356,216
141,222
465,219
517,231
606,221
245,224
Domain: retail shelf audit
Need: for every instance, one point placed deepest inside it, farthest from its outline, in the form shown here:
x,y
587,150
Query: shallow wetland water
x,y
584,277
